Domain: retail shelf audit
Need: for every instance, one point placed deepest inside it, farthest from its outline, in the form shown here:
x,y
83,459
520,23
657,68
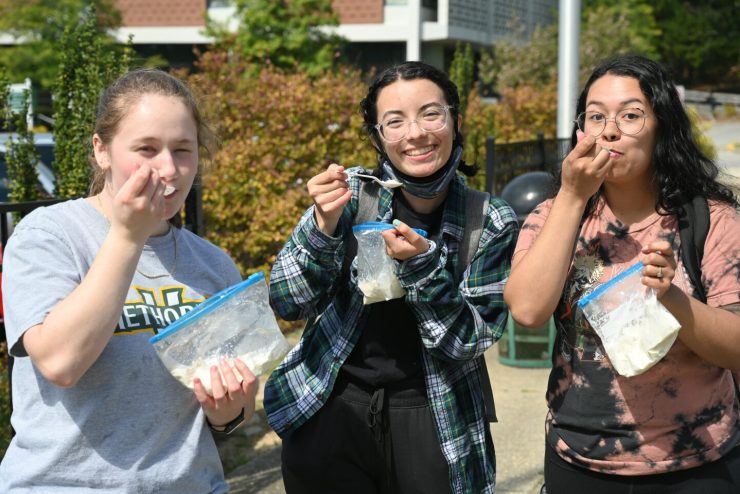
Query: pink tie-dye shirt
x,y
680,413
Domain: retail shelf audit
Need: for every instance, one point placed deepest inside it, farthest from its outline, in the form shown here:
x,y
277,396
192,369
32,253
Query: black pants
x,y
719,477
366,442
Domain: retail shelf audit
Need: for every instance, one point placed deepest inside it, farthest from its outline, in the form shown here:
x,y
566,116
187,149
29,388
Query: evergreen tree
x,y
284,33
462,72
21,157
39,26
86,68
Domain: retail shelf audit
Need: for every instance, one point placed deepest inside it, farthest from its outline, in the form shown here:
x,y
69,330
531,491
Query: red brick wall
x,y
359,11
162,12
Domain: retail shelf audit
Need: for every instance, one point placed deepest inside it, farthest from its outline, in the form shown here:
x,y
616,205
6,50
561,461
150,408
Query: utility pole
x,y
413,41
568,42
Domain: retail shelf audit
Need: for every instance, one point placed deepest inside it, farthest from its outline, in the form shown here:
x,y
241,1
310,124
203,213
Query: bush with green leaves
x,y
278,129
87,66
462,72
290,34
21,157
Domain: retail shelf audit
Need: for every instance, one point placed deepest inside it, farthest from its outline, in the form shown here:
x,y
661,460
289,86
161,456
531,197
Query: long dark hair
x,y
681,170
407,71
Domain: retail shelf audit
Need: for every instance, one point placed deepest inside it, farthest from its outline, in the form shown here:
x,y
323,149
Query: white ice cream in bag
x,y
376,270
634,327
236,322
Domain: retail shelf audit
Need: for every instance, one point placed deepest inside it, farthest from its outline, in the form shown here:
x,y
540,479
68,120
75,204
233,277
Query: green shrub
x,y
278,129
461,72
20,159
87,66
478,124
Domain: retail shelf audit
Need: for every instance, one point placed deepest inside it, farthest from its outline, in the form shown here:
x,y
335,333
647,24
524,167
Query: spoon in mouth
x,y
388,184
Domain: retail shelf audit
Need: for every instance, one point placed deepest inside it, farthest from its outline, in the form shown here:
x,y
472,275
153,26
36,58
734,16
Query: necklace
x,y
168,271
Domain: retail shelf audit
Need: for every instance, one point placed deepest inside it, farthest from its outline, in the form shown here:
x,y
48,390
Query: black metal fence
x,y
506,161
193,218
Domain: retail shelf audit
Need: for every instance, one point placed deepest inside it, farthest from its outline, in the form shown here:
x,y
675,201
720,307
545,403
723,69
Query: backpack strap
x,y
476,209
693,227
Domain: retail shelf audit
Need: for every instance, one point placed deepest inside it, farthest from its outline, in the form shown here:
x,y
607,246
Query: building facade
x,y
379,31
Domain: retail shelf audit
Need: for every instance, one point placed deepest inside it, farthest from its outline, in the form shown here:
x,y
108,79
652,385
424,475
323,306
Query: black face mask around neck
x,y
427,187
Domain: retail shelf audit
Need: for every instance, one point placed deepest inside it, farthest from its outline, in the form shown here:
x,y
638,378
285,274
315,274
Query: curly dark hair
x,y
681,170
407,71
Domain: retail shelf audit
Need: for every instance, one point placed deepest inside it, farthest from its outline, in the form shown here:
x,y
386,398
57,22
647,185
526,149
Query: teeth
x,y
420,151
169,190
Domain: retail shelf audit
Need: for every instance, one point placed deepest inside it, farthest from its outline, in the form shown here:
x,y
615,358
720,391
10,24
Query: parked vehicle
x,y
44,143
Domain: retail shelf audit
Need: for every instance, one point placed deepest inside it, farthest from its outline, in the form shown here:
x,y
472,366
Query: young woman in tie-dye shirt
x,y
674,428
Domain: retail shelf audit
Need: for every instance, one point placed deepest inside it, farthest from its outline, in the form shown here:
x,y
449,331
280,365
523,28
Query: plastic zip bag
x,y
635,328
235,322
376,271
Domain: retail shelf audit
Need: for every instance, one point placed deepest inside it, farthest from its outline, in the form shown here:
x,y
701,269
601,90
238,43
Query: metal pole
x,y
568,41
413,41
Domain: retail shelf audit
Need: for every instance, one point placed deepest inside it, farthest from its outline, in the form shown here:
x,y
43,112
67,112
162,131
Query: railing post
x,y
194,209
540,150
4,228
490,148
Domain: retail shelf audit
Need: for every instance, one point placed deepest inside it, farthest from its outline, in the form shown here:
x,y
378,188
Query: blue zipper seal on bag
x,y
599,291
379,226
207,306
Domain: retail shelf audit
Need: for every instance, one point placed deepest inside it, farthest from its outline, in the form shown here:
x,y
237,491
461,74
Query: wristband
x,y
229,427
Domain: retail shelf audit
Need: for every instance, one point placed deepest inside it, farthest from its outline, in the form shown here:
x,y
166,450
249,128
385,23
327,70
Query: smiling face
x,y
158,130
419,153
631,155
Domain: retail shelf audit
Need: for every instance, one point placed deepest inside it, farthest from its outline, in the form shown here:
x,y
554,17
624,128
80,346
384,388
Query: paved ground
x,y
252,458
725,135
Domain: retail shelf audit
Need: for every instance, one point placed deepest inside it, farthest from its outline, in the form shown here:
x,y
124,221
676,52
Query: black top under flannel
x,y
389,350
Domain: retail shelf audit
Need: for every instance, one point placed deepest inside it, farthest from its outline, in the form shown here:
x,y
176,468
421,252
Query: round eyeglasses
x,y
431,119
629,121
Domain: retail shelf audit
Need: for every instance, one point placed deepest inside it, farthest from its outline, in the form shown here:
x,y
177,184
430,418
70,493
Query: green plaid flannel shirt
x,y
457,323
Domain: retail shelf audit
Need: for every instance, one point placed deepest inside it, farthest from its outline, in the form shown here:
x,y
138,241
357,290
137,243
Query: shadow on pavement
x,y
261,475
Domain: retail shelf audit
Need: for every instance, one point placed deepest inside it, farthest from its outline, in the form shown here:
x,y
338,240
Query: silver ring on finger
x,y
660,272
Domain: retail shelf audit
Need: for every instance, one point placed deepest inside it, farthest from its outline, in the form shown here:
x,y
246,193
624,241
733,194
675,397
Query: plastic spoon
x,y
388,184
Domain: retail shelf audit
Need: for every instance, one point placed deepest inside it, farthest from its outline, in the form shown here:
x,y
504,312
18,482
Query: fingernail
x,y
396,222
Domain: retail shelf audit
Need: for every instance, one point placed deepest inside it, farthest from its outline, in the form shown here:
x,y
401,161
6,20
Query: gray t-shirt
x,y
127,425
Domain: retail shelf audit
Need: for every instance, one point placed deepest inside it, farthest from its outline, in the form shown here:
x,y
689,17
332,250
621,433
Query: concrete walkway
x,y
725,135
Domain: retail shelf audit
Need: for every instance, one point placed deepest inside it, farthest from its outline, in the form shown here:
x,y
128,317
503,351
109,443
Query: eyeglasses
x,y
432,119
629,121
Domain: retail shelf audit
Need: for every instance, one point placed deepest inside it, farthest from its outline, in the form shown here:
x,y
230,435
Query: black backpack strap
x,y
476,209
693,227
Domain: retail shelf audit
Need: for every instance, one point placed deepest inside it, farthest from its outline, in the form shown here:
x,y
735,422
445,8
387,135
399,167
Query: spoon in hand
x,y
388,184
